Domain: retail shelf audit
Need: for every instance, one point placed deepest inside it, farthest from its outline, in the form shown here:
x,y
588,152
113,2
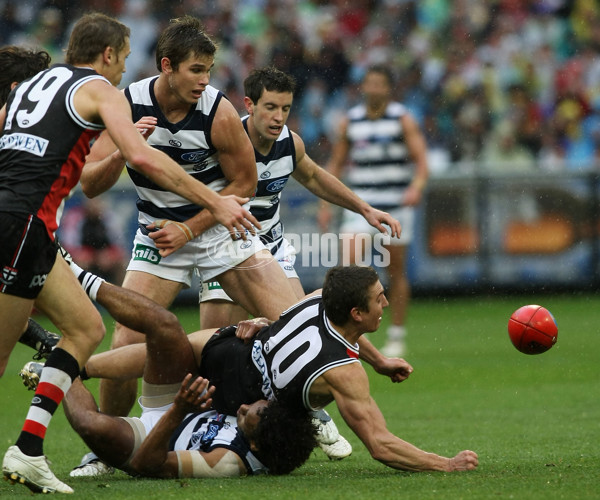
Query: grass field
x,y
533,420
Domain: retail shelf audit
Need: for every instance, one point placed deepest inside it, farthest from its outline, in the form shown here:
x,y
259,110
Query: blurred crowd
x,y
497,84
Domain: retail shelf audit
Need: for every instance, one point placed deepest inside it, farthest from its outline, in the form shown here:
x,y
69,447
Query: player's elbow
x,y
142,162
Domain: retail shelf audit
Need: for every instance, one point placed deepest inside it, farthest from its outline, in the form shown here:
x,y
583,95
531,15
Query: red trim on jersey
x,y
35,428
50,391
67,179
351,353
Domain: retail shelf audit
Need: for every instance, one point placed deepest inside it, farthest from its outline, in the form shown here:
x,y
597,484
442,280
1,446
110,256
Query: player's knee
x,y
165,322
97,332
123,336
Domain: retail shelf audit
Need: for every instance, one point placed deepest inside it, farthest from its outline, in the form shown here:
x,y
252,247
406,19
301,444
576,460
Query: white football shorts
x,y
209,255
285,256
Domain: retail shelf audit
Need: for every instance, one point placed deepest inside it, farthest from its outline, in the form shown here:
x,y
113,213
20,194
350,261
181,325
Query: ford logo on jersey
x,y
276,186
195,156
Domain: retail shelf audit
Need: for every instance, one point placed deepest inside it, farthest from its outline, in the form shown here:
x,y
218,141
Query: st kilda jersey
x,y
282,362
297,349
44,143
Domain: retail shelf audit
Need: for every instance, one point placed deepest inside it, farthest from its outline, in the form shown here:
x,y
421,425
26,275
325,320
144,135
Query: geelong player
x,y
387,151
199,128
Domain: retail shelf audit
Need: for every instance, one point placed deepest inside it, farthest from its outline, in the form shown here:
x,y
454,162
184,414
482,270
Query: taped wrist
x,y
182,226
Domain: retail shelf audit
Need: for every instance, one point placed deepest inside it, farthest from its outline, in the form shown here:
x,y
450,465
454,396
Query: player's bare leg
x,y
118,397
399,297
15,311
218,313
259,285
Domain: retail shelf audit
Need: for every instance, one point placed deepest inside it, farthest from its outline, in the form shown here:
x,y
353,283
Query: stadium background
x,y
507,93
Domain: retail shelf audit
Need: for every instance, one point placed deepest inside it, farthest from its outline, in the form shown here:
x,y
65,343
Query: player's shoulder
x,y
396,109
357,112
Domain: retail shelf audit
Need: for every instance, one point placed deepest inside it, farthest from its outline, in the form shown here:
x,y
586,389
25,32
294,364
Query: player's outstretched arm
x,y
104,102
236,159
396,368
349,386
329,188
153,458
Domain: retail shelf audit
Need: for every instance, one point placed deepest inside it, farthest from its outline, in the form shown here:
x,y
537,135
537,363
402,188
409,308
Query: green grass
x,y
533,420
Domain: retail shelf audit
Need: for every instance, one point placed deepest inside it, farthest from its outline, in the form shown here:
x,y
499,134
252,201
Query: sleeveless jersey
x,y
44,143
186,142
273,171
209,430
380,170
283,361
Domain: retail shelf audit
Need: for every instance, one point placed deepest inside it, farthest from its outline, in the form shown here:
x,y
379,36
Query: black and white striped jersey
x,y
209,430
187,142
381,170
273,171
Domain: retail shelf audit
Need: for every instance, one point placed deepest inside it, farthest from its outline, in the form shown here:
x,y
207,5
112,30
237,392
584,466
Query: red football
x,y
532,329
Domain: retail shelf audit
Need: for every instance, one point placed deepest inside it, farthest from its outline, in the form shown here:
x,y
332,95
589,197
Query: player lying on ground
x,y
310,354
182,439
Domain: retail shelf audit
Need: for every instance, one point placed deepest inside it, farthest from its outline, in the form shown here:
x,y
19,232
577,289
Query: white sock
x,y
396,332
76,269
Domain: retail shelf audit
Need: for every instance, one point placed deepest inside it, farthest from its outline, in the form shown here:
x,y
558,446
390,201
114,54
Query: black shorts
x,y
27,254
227,364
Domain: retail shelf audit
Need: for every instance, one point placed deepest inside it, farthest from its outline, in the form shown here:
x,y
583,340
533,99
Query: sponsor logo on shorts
x,y
38,280
214,285
9,275
277,185
245,244
146,253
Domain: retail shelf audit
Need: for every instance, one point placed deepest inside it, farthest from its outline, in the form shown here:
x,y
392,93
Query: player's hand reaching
x,y
194,395
248,328
146,125
377,218
465,460
235,217
396,368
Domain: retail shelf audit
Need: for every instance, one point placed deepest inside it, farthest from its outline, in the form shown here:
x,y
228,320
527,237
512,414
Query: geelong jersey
x,y
273,171
186,142
209,430
283,361
44,143
380,170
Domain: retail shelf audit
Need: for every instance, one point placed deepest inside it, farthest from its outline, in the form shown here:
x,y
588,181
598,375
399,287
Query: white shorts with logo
x,y
353,223
209,255
285,256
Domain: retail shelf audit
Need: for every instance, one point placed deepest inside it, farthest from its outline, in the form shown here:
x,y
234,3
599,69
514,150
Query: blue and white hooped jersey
x,y
381,170
273,171
187,142
209,430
